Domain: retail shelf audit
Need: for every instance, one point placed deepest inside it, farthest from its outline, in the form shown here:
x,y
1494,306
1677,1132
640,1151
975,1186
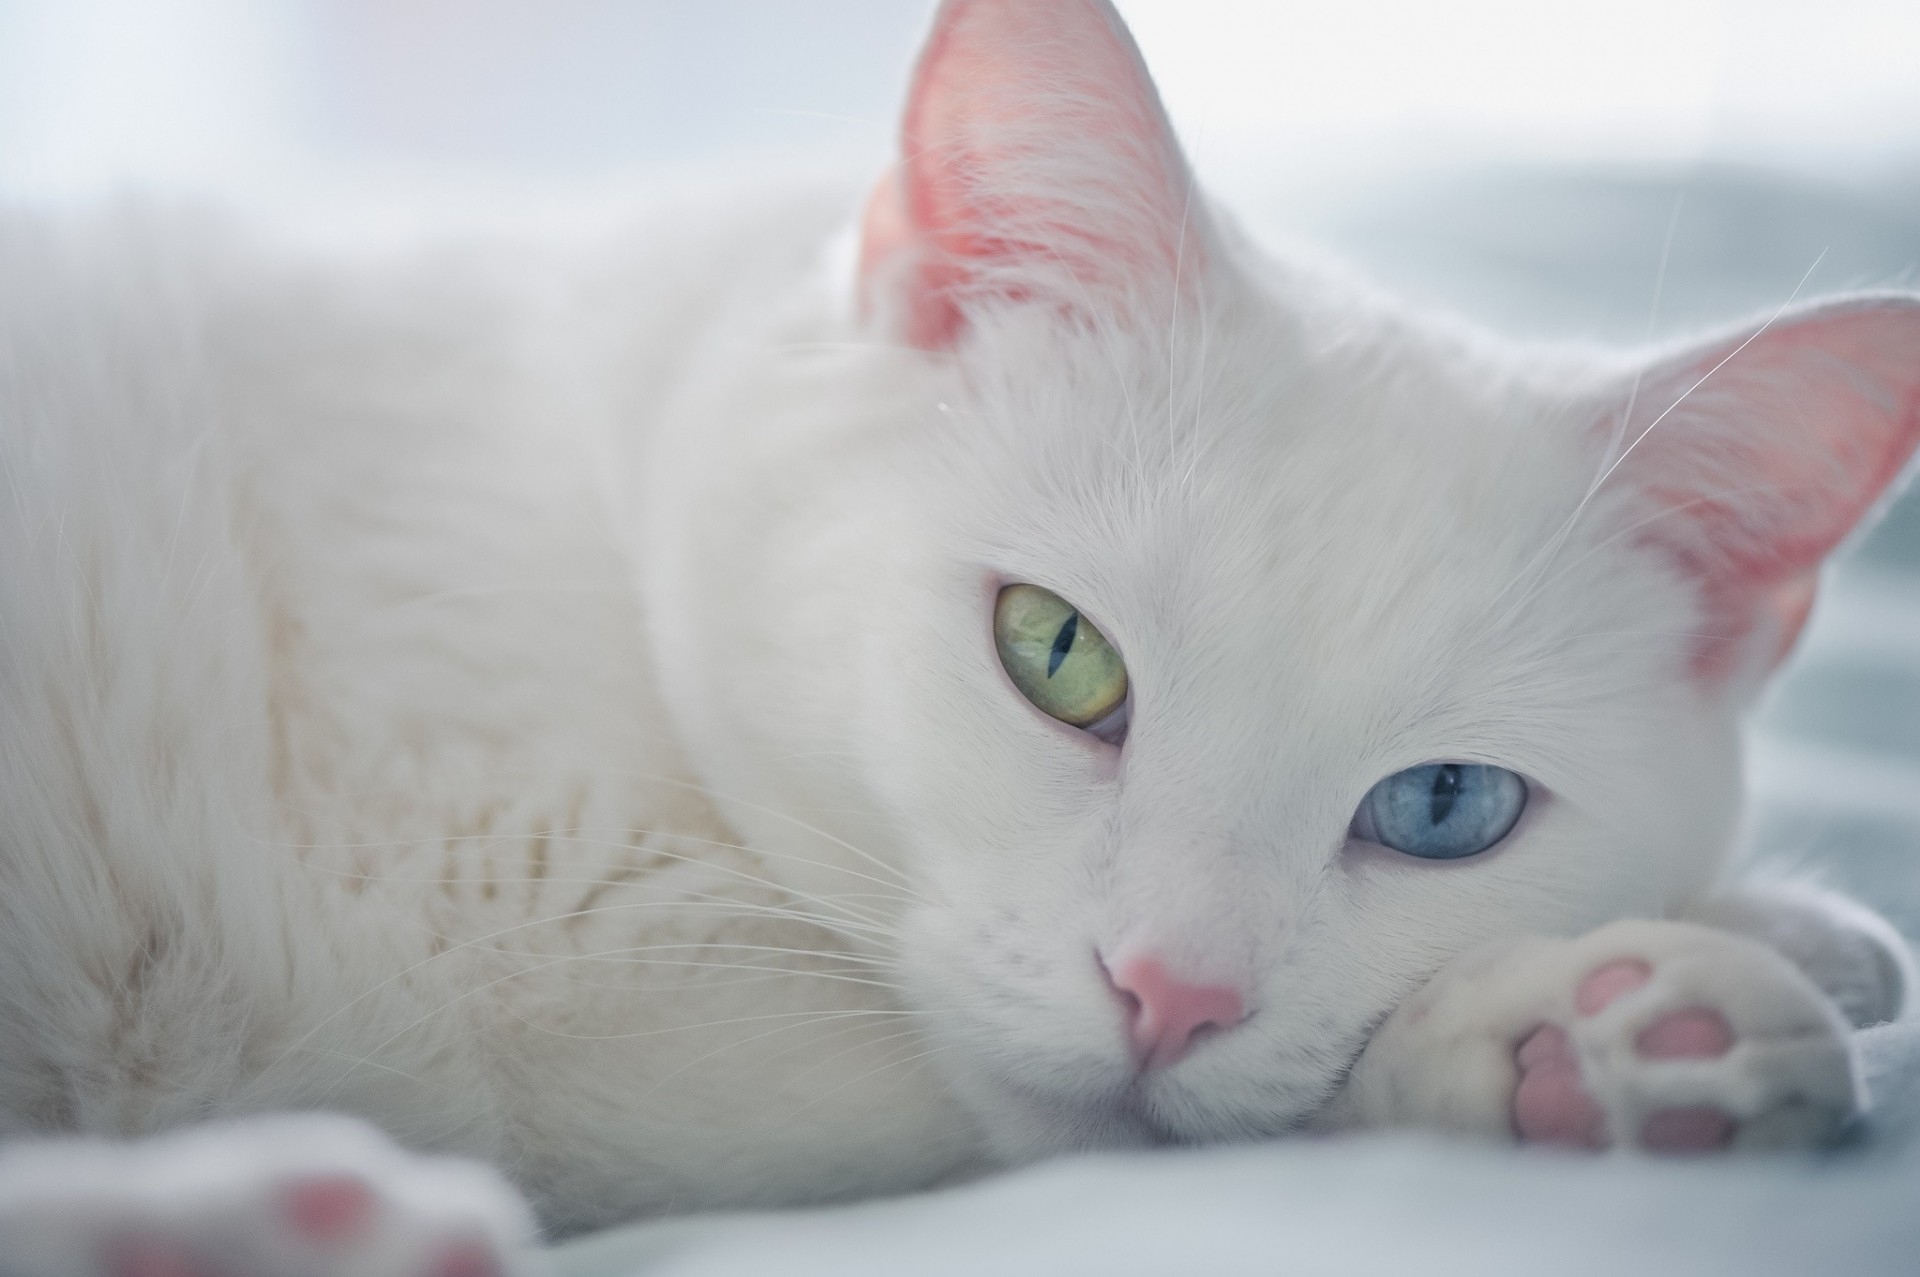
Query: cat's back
x,y
390,475
367,484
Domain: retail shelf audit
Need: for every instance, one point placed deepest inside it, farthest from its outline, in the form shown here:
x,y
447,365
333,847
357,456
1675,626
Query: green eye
x,y
1055,656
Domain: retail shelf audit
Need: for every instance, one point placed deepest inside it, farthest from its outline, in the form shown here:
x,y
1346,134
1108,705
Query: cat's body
x,y
546,702
385,818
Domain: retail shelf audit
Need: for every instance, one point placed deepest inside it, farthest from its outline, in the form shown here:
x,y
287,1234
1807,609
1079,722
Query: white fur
x,y
543,700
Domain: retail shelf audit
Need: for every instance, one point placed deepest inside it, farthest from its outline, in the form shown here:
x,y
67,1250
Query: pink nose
x,y
1165,1013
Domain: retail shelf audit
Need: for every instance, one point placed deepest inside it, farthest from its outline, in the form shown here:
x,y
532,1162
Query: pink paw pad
x,y
1690,1130
152,1257
328,1209
1602,985
1551,1105
1697,1034
465,1259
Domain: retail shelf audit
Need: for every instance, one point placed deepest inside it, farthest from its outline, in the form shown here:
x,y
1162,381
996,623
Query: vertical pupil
x,y
1446,791
1063,643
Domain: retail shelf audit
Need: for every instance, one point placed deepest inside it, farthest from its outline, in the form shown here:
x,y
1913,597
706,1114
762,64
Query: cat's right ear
x,y
1760,451
1037,165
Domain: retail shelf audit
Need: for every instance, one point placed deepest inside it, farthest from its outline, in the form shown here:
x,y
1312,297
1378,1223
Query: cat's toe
x,y
1550,1105
345,1222
464,1259
149,1255
1685,1040
328,1210
290,1197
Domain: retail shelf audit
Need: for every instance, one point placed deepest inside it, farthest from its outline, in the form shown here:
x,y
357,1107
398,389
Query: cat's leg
x,y
1658,1035
1851,952
309,1196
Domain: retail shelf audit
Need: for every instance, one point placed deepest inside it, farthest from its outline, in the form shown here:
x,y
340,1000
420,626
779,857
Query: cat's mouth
x,y
1157,1132
1152,1116
1054,1107
1133,1116
1147,1124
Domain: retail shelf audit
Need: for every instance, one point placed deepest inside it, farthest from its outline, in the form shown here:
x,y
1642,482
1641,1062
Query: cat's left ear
x,y
1762,451
1036,165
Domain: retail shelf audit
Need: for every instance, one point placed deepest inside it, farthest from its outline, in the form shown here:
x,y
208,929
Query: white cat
x,y
709,721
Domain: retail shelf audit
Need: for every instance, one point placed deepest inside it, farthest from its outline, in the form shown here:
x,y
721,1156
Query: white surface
x,y
1364,1207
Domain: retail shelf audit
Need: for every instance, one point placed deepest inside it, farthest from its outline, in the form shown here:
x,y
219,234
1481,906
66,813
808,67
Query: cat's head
x,y
1221,648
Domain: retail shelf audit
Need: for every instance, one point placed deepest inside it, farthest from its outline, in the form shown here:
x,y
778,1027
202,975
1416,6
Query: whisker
x,y
840,955
586,836
1638,524
898,878
467,945
721,1050
795,821
577,980
844,914
817,1017
1722,363
850,344
417,1021
496,588
1566,529
1618,433
705,901
623,955
1173,315
913,1031
695,964
935,1049
817,1040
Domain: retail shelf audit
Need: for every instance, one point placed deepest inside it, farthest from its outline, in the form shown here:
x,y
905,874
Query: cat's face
x,y
1329,544
1323,561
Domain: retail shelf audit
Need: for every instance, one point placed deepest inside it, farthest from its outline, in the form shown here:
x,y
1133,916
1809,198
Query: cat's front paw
x,y
306,1196
1651,1035
1684,1039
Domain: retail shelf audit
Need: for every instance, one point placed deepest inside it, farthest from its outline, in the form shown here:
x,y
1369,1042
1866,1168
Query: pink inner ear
x,y
1792,604
1775,449
1035,160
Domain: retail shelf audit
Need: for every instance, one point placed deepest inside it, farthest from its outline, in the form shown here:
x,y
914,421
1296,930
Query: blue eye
x,y
1442,811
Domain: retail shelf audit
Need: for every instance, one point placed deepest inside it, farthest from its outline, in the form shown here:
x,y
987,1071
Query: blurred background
x,y
1551,167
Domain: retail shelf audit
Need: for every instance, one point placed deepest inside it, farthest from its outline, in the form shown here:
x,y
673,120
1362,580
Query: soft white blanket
x,y
1378,1207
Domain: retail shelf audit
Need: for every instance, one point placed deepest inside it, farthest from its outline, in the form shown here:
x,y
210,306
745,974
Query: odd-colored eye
x,y
1055,656
1442,811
